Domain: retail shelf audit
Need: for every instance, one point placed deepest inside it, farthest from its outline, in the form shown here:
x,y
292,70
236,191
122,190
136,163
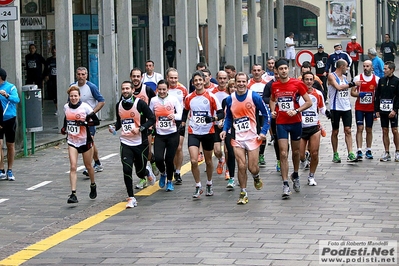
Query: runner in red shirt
x,y
285,108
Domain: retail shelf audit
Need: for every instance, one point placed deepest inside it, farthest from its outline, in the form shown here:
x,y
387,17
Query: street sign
x,y
5,2
4,31
8,13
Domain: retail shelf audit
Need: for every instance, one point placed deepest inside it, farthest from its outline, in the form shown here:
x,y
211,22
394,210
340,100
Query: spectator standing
x,y
334,57
34,67
321,58
9,99
90,94
290,49
50,76
354,48
378,64
170,50
388,49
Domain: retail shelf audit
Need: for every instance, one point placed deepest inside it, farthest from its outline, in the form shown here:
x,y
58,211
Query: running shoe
x,y
151,178
396,156
311,181
278,166
162,180
200,157
169,186
307,156
209,190
10,176
258,184
336,158
98,168
385,157
227,175
271,142
307,165
154,169
3,175
262,162
296,184
359,155
142,184
93,191
351,157
286,192
178,180
231,183
131,202
302,164
198,192
369,155
243,199
219,167
72,198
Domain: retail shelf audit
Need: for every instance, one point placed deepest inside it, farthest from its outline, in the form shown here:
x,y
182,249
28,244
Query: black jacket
x,y
387,89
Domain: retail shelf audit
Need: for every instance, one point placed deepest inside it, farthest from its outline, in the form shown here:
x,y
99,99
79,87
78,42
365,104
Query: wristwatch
x,y
296,110
141,128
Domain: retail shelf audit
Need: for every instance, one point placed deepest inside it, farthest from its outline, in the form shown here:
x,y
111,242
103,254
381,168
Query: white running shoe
x,y
131,202
311,181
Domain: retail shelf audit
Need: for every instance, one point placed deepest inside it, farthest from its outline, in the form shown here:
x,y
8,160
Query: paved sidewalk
x,y
353,201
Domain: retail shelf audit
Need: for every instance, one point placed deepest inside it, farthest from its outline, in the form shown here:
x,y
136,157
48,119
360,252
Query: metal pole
x,y
25,141
33,142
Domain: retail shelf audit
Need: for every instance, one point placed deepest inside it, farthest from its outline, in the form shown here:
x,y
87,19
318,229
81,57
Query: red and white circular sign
x,y
304,55
5,2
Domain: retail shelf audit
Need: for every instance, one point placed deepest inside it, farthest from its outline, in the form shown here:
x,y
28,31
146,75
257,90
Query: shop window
x,y
303,24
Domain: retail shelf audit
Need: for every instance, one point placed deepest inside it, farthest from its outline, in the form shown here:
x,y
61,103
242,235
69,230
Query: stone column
x,y
107,59
252,31
193,52
271,27
238,24
213,36
264,30
124,42
156,34
182,40
230,27
65,59
280,25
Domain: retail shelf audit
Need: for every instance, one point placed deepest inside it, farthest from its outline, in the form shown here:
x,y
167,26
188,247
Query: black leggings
x,y
137,155
165,159
274,132
231,158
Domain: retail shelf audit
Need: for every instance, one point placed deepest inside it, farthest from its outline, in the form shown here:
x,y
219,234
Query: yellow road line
x,y
33,250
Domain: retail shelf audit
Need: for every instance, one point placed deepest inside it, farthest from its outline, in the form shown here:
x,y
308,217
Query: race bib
x,y
199,117
54,71
386,105
308,117
343,94
366,99
73,128
320,64
128,125
352,54
164,122
285,103
387,50
241,124
32,64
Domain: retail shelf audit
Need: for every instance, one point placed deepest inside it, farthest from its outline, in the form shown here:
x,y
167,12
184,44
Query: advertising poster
x,y
341,19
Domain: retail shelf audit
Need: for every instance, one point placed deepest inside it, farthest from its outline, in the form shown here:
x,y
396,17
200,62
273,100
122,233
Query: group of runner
x,y
239,111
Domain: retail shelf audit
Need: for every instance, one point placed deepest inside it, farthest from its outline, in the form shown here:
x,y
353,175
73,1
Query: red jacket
x,y
354,49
